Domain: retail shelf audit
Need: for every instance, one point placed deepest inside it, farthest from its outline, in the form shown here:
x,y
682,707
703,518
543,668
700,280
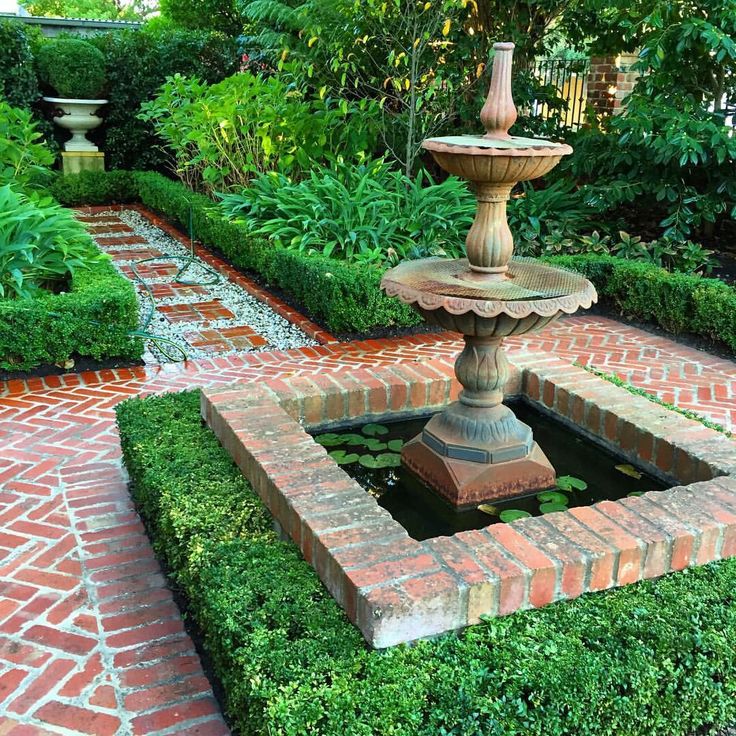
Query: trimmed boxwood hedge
x,y
653,659
91,320
346,298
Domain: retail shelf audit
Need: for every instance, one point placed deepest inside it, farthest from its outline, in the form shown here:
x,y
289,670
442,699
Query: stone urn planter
x,y
78,117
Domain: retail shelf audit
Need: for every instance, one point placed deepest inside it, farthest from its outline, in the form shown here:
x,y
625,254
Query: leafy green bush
x,y
73,68
670,156
344,297
94,187
363,213
41,245
137,63
652,659
224,134
93,319
24,160
18,83
671,254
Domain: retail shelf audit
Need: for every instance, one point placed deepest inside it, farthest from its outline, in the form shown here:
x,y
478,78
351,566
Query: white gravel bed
x,y
249,311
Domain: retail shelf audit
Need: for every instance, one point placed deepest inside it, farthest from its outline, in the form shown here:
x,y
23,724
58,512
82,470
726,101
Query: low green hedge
x,y
344,297
347,298
91,320
95,187
653,659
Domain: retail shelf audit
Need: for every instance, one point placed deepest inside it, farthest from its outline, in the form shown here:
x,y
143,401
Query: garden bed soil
x,y
81,364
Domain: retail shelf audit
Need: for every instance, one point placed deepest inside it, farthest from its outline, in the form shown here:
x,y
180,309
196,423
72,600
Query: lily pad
x,y
344,458
486,508
395,445
508,515
386,460
330,439
571,483
551,508
354,440
552,497
373,430
629,470
633,494
374,445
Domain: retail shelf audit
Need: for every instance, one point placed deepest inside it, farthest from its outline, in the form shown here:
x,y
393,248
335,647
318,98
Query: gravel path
x,y
226,319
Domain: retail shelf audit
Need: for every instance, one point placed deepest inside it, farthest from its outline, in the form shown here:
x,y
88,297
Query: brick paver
x,y
89,636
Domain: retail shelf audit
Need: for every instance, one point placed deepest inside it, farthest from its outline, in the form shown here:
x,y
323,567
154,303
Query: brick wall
x,y
610,80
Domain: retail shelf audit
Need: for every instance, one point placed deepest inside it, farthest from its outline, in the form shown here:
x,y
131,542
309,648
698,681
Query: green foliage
x,y
344,297
535,214
652,659
206,15
94,9
424,63
91,319
670,153
94,187
18,84
41,245
137,63
224,134
677,302
24,160
364,213
73,68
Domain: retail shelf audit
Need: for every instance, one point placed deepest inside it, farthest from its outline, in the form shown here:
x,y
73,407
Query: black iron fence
x,y
566,83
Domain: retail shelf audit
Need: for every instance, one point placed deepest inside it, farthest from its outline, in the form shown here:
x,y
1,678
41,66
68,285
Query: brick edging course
x,y
396,589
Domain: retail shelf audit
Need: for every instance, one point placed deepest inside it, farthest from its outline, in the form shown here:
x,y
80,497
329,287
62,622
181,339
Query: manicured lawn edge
x,y
346,298
91,320
656,658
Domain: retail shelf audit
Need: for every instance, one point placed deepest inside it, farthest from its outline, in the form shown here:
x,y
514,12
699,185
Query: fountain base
x,y
465,483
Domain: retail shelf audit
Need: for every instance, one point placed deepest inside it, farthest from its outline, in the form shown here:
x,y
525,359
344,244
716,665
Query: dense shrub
x,y
222,135
364,213
652,659
95,187
41,245
137,63
24,159
344,297
18,83
93,318
71,67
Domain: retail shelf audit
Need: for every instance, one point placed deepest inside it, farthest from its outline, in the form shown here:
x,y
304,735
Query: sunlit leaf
x,y
513,514
629,470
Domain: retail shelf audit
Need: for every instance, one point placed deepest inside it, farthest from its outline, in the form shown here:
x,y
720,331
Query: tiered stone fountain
x,y
476,450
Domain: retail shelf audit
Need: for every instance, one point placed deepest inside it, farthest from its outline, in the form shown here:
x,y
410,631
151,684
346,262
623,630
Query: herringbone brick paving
x,y
90,639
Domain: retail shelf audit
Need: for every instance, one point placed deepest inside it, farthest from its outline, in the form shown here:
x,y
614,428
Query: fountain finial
x,y
499,112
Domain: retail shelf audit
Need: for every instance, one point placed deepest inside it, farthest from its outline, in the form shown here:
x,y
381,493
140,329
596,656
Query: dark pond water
x,y
586,473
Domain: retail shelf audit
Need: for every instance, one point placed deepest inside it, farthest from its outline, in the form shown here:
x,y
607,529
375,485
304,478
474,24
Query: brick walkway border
x,y
396,589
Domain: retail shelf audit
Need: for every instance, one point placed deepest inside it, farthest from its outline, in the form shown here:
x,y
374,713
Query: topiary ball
x,y
73,68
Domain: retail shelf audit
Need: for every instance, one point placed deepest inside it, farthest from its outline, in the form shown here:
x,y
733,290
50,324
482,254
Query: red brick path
x,y
90,641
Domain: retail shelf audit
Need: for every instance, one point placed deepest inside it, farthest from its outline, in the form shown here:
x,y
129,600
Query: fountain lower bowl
x,y
448,294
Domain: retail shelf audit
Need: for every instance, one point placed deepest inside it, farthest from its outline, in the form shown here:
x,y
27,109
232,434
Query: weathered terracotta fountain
x,y
476,450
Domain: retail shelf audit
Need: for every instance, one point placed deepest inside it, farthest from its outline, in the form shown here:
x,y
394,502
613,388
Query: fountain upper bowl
x,y
496,160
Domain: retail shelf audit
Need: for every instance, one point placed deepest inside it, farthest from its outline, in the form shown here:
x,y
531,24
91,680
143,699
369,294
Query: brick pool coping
x,y
396,589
